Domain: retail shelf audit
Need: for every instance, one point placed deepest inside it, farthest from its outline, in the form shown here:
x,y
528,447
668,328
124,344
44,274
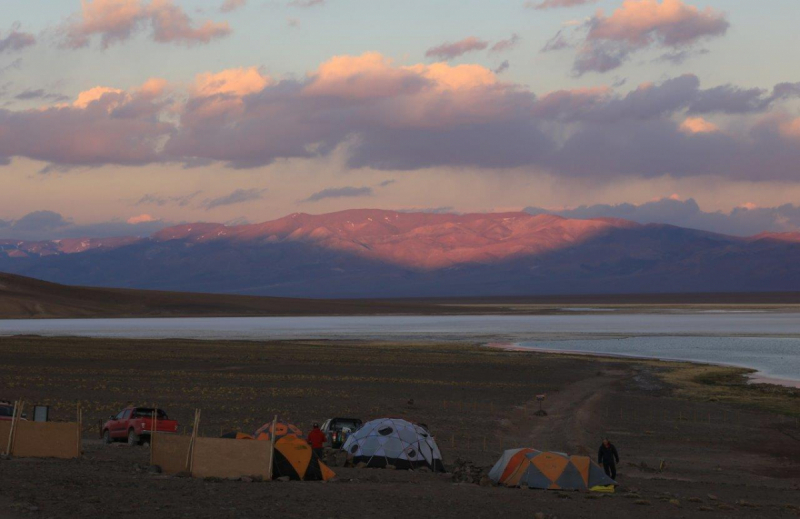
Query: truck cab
x,y
135,425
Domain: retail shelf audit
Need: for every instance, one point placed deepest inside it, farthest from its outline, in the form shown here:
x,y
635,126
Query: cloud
x,y
609,41
678,57
698,125
306,3
735,100
671,22
387,182
118,20
502,67
159,200
380,115
16,64
746,220
142,218
448,51
232,5
552,4
49,225
40,94
16,40
237,81
40,221
557,42
238,196
339,192
359,99
506,45
102,126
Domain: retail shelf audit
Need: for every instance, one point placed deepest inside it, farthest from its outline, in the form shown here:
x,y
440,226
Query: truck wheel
x,y
107,437
133,438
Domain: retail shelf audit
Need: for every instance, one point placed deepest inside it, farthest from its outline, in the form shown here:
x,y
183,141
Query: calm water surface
x,y
768,342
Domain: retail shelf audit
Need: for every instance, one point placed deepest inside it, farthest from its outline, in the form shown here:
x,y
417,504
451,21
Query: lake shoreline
x,y
753,375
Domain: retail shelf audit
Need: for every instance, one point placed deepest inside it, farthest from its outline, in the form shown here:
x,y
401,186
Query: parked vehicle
x,y
134,425
338,429
7,412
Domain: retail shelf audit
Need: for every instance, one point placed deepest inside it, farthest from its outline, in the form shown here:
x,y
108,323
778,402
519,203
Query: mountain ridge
x,y
379,253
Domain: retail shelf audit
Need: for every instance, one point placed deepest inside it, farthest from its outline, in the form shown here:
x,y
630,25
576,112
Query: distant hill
x,y
22,298
27,298
385,254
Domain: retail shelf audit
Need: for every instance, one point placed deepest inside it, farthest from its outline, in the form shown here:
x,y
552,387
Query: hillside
x,y
27,298
22,297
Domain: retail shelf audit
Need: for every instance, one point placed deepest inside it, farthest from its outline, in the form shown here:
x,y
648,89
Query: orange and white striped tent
x,y
549,470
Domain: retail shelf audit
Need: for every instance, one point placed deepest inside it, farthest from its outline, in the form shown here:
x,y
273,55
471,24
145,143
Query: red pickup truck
x,y
135,424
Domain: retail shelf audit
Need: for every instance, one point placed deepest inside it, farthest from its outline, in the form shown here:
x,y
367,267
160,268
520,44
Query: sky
x,y
121,117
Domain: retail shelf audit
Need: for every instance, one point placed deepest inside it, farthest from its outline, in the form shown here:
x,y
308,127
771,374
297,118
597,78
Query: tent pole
x,y
11,430
272,445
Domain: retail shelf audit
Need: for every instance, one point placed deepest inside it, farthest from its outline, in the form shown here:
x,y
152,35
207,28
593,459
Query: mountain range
x,y
377,253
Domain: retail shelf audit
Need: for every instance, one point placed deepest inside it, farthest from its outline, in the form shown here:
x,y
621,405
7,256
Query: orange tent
x,y
549,470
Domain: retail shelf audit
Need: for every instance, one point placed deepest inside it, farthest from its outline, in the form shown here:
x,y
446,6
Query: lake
x,y
766,341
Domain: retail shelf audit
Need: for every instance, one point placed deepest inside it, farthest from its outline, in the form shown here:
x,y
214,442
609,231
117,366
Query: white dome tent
x,y
396,442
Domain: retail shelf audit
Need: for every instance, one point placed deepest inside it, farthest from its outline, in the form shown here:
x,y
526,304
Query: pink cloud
x,y
698,125
610,40
238,81
370,75
172,24
142,218
671,22
118,20
87,97
453,50
791,128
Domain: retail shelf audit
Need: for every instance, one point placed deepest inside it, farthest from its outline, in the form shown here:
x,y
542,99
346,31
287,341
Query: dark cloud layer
x,y
238,196
40,95
339,192
741,221
15,39
160,200
115,128
407,118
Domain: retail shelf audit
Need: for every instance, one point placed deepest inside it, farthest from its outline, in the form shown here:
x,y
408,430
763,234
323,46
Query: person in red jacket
x,y
316,439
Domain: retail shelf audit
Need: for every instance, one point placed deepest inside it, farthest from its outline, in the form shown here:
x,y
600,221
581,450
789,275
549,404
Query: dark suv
x,y
338,429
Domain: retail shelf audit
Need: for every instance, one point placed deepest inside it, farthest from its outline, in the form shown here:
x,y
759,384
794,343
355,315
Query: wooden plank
x,y
46,440
229,458
169,452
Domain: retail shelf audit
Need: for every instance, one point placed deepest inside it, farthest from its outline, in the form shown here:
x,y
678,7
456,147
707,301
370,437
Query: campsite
x,y
724,453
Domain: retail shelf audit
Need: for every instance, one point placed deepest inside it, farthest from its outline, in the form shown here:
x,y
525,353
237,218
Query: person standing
x,y
608,457
316,438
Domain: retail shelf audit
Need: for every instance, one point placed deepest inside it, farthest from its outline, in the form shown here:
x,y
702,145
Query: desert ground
x,y
728,449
